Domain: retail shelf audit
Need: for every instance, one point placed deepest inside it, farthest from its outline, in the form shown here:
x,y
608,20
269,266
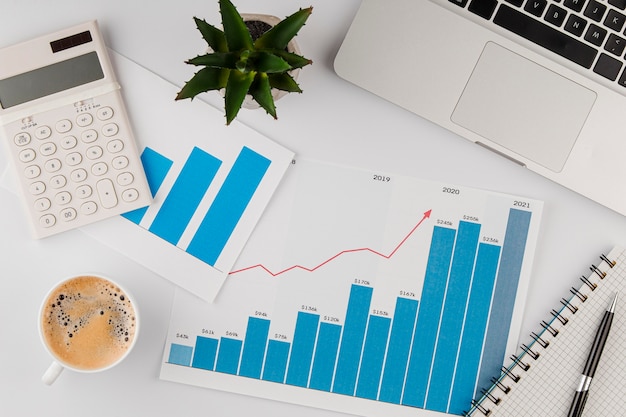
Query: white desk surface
x,y
333,120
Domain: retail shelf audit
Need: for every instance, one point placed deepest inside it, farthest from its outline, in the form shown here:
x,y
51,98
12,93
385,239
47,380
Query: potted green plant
x,y
244,64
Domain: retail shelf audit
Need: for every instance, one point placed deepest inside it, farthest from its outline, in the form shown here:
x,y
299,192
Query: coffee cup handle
x,y
52,373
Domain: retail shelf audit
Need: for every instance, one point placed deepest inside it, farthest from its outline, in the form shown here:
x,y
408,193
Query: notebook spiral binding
x,y
512,374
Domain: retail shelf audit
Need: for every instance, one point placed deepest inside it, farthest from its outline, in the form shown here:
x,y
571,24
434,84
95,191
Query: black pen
x,y
580,398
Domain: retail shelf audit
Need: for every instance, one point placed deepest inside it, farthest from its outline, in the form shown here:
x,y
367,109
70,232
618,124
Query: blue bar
x,y
156,167
352,340
325,357
504,295
475,328
185,196
436,277
229,205
373,357
228,356
205,353
276,361
302,349
254,347
457,294
180,355
398,351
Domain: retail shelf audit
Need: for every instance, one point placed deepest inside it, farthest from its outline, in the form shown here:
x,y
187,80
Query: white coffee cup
x,y
87,323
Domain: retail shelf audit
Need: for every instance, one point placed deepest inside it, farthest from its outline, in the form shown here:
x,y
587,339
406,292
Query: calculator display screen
x,y
50,79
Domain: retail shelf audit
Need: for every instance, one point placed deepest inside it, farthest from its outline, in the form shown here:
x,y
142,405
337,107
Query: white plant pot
x,y
292,47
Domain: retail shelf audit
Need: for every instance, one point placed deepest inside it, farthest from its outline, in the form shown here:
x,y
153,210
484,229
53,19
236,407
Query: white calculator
x,y
68,135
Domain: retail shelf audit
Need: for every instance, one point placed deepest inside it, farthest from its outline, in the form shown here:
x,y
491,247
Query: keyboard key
x,y
575,25
621,4
607,67
47,220
622,79
483,8
106,192
555,15
42,204
88,208
517,3
545,36
615,20
536,7
615,45
595,10
68,214
575,5
104,113
22,139
595,35
461,3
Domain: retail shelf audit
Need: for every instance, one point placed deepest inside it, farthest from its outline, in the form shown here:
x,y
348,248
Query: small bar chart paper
x,y
365,293
210,182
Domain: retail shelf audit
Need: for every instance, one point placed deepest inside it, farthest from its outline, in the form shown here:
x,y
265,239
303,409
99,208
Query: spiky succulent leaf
x,y
206,79
294,60
285,82
236,89
279,36
237,35
212,35
263,61
216,60
261,92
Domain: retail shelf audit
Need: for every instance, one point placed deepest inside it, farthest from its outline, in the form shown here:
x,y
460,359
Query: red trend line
x,y
275,274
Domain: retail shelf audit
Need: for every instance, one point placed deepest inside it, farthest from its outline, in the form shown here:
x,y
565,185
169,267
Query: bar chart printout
x,y
184,198
427,342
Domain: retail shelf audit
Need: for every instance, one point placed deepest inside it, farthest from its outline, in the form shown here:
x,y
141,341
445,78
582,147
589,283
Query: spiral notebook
x,y
541,381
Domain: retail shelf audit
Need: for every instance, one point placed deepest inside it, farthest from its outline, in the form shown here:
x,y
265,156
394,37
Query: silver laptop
x,y
542,82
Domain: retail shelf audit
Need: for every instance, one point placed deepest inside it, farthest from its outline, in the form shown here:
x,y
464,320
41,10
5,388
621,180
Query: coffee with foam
x,y
88,323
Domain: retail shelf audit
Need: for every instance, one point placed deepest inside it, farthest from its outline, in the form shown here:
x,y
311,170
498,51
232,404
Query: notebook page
x,y
548,386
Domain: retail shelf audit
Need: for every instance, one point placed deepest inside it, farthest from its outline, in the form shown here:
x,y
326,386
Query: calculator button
x,y
63,126
69,142
43,132
84,119
73,159
78,175
32,171
99,169
83,191
130,195
42,204
52,165
94,152
88,208
115,146
68,214
110,129
48,149
63,198
106,192
37,188
47,220
89,136
27,155
104,113
120,162
22,139
58,181
125,178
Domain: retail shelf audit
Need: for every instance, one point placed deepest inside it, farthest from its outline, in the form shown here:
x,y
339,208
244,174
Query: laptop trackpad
x,y
523,107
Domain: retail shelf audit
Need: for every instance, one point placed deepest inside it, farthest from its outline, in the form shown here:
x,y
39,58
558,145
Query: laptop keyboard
x,y
589,33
